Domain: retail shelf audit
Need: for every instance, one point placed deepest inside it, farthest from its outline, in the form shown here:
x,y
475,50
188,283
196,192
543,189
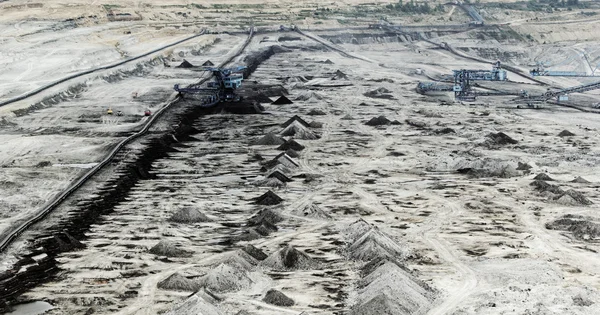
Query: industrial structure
x,y
463,83
222,89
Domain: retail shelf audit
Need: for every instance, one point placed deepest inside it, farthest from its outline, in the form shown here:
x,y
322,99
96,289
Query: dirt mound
x,y
379,93
309,96
543,186
312,211
356,229
543,176
523,166
347,117
177,282
270,182
282,100
185,64
254,252
328,62
566,133
169,249
247,235
265,215
279,175
582,228
189,215
339,75
208,63
500,171
388,288
292,153
289,258
299,131
282,159
580,180
374,243
261,98
501,138
415,123
287,38
295,118
316,124
378,121
270,139
268,199
275,297
226,278
444,131
278,167
573,198
195,305
239,258
316,112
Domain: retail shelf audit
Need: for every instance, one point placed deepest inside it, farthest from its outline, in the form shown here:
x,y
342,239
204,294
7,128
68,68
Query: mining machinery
x,y
221,89
463,87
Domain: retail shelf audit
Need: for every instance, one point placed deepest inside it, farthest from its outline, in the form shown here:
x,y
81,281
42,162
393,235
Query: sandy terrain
x,y
389,202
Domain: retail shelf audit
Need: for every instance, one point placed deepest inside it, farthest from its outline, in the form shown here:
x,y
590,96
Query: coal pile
x,y
277,298
573,198
316,112
177,282
282,100
268,199
566,133
582,228
542,187
312,211
188,215
297,119
169,249
543,176
381,92
580,180
501,138
289,258
270,139
185,64
378,121
255,252
298,130
208,63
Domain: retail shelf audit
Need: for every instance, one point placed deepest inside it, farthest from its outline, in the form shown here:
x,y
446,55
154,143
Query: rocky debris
x,y
312,211
581,301
566,133
265,215
177,282
378,121
268,199
316,112
254,252
197,304
188,215
543,186
582,228
277,298
299,131
389,288
289,258
543,176
379,93
416,123
282,100
185,64
270,139
501,138
208,63
169,249
580,180
226,278
297,119
444,131
573,198
523,166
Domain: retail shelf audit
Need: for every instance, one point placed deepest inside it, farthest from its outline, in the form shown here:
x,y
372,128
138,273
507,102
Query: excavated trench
x,y
39,264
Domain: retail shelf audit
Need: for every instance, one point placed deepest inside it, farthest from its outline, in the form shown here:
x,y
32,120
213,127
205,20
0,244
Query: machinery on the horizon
x,y
222,89
541,68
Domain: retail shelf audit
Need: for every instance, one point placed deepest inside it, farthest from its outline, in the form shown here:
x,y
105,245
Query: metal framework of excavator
x,y
221,89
